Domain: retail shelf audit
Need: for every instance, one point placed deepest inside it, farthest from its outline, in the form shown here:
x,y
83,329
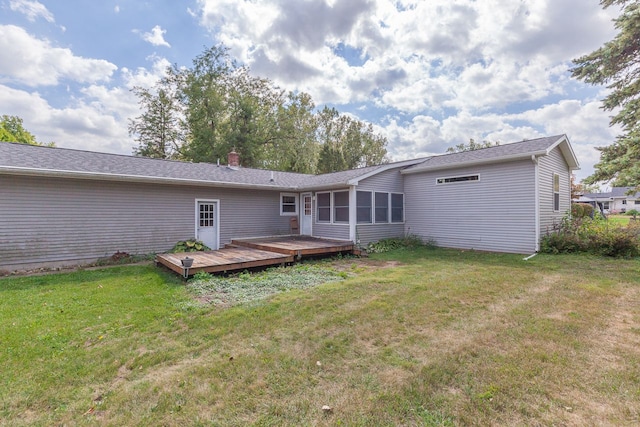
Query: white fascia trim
x,y
100,176
566,149
520,156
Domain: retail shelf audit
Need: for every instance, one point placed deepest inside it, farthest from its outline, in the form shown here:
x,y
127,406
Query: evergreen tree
x,y
616,65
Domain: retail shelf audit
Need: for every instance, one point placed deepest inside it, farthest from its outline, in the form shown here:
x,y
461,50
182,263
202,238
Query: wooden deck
x,y
223,260
298,246
250,253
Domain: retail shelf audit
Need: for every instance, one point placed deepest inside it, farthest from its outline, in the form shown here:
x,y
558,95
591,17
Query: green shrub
x,y
633,212
191,245
386,245
581,210
596,236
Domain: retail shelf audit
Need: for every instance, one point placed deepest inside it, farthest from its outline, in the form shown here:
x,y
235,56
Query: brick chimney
x,y
233,159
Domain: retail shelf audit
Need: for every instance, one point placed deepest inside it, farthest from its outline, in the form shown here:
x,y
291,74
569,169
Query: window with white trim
x,y
382,207
624,202
323,206
556,192
452,179
341,206
288,204
637,202
397,207
363,207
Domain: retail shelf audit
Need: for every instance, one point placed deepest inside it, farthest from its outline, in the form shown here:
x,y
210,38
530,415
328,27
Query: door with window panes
x,y
207,223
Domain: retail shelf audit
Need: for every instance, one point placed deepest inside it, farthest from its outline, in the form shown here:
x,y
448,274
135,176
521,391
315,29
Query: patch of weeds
x,y
247,287
120,258
408,242
434,418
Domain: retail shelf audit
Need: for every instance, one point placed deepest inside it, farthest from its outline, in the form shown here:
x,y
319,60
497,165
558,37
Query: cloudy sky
x,y
428,74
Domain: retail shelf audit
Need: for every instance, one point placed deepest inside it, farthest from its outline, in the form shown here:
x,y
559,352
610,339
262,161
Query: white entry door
x,y
305,214
207,225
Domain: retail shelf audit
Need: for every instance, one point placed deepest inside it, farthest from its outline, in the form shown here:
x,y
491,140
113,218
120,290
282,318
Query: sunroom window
x,y
363,207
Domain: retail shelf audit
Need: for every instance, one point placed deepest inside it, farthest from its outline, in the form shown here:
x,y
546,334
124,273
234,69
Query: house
x,y
62,206
615,201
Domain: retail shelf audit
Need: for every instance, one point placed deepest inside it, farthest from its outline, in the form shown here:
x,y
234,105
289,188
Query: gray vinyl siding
x,y
495,213
547,166
326,230
51,221
390,181
331,231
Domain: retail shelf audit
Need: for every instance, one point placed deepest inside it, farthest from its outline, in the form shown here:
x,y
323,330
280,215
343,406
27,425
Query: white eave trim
x,y
101,176
567,152
519,156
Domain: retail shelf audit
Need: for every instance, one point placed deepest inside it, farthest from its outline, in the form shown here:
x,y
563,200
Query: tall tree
x,y
12,130
204,93
203,112
157,130
617,65
295,148
347,143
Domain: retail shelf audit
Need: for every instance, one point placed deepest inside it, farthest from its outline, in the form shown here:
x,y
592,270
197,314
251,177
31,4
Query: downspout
x,y
353,213
536,198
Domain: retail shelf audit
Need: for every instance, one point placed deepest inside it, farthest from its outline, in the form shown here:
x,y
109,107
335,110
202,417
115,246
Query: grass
x,y
412,337
621,220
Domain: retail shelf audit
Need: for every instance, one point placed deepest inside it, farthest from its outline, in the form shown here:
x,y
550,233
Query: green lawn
x,y
622,220
422,337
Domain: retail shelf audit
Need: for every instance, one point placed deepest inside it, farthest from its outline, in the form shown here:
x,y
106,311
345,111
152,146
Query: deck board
x,y
228,259
250,253
297,245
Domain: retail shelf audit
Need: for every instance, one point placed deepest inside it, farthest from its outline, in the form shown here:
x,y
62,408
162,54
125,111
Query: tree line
x,y
203,112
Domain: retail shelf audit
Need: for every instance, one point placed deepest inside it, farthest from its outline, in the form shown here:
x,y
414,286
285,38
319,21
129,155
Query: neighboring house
x,y
615,201
61,206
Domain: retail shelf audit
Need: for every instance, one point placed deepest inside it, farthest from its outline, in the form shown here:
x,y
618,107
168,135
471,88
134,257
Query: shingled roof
x,y
512,151
22,159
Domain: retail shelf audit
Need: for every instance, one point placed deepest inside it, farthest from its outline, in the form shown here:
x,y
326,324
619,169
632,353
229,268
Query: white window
x,y
556,192
397,207
624,202
341,206
288,204
363,207
382,207
323,203
452,179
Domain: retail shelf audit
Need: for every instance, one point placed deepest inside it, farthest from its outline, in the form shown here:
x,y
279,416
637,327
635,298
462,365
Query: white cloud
x,y
144,77
35,62
32,9
94,126
418,56
156,37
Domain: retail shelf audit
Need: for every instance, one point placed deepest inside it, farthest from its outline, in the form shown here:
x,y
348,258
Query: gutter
x,y
536,199
101,176
473,162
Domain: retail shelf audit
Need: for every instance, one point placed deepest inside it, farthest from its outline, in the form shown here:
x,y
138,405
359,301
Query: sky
x,y
428,74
